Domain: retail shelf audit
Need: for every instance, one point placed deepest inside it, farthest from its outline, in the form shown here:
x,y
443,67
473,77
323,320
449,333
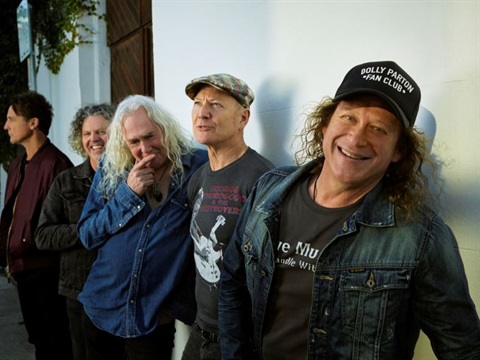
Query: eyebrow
x,y
144,135
346,106
208,98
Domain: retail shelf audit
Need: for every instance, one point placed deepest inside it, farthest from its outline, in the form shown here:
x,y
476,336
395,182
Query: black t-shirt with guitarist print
x,y
217,198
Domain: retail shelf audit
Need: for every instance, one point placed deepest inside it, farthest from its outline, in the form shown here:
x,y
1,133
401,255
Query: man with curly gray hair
x,y
137,217
63,205
99,116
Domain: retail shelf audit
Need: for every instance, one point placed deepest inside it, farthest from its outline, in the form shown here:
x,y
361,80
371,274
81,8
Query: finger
x,y
144,172
144,162
139,182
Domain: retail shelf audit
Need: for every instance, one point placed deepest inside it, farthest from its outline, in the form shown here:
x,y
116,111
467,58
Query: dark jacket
x,y
57,227
21,212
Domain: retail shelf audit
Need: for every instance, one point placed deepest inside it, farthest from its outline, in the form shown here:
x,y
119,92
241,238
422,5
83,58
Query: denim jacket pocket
x,y
370,301
181,200
178,210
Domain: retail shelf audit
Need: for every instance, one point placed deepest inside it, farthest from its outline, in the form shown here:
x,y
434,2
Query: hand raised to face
x,y
140,177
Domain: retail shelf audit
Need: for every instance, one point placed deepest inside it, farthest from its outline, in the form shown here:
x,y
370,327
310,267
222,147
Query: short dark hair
x,y
30,105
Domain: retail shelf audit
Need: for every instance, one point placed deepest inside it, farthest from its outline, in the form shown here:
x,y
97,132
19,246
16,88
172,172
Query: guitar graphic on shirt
x,y
205,255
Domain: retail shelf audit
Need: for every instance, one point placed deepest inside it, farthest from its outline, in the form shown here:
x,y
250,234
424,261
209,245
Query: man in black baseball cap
x,y
388,81
341,258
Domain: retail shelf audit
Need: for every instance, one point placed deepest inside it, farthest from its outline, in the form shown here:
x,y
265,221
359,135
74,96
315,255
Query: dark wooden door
x,y
129,25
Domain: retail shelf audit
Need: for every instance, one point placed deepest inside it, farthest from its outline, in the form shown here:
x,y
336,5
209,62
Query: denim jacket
x,y
378,281
144,266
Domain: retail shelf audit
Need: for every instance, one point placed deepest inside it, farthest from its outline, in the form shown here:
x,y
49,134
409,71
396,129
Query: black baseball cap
x,y
388,81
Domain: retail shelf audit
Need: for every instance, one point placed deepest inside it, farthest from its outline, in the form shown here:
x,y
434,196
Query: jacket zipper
x,y
9,276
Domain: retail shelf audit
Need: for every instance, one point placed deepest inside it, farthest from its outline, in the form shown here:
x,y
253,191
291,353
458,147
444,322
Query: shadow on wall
x,y
427,124
274,105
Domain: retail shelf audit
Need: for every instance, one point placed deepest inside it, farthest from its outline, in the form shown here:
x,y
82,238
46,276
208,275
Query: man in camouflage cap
x,y
217,191
228,83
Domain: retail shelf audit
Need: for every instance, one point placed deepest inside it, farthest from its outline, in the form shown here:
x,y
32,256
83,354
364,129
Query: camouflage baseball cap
x,y
225,82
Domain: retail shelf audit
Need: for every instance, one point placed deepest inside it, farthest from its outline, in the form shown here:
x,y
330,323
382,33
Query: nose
x,y
145,147
94,137
201,111
358,135
91,137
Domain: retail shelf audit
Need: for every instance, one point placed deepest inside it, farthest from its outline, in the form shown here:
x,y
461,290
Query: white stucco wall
x,y
84,79
294,52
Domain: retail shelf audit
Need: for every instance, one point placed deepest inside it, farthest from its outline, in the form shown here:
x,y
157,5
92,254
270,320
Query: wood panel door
x,y
129,26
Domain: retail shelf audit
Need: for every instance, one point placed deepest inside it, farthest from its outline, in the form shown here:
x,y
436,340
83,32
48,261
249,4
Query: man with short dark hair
x,y
217,191
36,272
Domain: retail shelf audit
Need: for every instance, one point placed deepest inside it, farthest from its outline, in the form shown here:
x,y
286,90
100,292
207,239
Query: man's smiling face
x,y
360,142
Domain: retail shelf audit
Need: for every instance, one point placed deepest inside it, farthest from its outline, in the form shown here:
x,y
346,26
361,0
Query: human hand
x,y
140,177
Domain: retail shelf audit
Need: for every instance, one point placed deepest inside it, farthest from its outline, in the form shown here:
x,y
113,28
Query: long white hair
x,y
118,160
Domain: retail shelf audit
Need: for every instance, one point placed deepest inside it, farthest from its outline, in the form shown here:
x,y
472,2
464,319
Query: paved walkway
x,y
13,336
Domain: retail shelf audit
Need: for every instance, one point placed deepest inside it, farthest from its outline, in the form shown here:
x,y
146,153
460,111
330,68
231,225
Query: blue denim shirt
x,y
144,264
378,281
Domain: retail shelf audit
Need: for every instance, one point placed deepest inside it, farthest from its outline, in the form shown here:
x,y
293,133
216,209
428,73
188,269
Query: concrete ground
x,y
13,336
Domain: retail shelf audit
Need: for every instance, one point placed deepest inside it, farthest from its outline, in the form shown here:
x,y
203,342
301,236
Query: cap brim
x,y
192,89
396,109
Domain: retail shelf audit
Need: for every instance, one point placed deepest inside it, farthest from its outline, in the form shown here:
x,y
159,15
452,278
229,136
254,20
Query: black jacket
x,y
57,227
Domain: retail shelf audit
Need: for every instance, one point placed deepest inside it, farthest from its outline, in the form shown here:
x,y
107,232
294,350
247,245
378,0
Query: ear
x,y
34,122
324,129
397,155
244,117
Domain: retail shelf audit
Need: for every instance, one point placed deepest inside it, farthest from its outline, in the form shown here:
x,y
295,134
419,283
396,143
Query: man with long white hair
x,y
137,217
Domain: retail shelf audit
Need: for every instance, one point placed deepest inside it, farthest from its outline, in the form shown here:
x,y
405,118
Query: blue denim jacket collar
x,y
375,210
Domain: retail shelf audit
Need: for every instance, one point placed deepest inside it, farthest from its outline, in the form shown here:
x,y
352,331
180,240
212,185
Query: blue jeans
x,y
200,348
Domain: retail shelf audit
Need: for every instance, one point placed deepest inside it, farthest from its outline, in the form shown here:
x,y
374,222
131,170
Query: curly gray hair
x,y
75,135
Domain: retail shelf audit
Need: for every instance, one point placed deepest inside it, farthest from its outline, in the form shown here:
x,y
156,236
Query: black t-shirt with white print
x,y
217,198
305,229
